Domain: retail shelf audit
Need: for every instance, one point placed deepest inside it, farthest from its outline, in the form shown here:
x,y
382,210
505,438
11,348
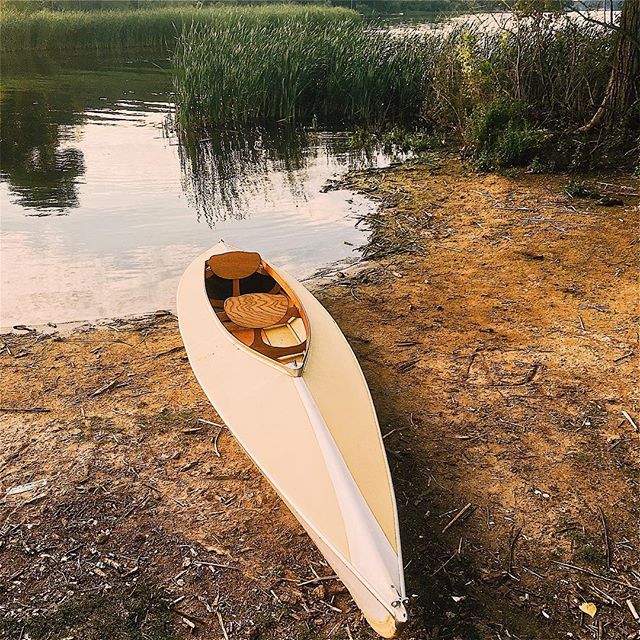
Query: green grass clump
x,y
158,26
502,136
579,189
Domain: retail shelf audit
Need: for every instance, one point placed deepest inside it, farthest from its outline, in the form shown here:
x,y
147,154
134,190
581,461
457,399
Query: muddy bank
x,y
497,327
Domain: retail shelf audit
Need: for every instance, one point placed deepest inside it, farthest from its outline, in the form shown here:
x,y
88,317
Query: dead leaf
x,y
589,608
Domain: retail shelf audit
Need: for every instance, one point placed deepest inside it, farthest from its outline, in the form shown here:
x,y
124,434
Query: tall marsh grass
x,y
159,26
551,74
297,71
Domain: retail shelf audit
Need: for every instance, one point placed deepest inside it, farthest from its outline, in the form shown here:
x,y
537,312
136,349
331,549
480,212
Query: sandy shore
x,y
497,325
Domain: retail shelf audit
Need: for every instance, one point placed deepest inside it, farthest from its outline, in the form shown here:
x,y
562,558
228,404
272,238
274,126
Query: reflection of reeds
x,y
350,72
222,172
113,29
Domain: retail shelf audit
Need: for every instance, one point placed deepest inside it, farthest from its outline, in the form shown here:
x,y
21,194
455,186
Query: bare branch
x,y
609,25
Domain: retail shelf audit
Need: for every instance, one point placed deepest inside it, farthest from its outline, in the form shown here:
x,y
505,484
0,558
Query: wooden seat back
x,y
235,265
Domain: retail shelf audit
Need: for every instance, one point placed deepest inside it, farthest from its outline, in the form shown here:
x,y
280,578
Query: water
x,y
102,208
491,22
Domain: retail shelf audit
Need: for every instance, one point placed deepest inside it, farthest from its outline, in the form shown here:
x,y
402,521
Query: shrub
x,y
502,137
578,189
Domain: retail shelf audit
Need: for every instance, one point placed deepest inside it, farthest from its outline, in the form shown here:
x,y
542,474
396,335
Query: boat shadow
x,y
456,585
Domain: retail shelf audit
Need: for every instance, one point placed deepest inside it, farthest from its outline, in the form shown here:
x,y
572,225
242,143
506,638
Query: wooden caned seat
x,y
256,310
253,312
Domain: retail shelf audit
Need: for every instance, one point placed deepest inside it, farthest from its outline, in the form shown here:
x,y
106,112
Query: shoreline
x,y
323,277
496,323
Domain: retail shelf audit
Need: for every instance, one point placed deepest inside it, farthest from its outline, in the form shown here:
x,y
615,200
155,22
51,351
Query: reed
x,y
158,26
352,73
490,89
298,71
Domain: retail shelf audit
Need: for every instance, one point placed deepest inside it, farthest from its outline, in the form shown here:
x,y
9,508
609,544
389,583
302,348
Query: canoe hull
x,y
294,432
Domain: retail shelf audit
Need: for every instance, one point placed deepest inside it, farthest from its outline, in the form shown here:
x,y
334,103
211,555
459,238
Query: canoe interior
x,y
257,307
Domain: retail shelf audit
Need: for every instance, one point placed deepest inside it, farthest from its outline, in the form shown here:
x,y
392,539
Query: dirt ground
x,y
497,324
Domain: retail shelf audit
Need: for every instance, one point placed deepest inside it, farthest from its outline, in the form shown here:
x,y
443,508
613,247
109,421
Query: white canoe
x,y
306,419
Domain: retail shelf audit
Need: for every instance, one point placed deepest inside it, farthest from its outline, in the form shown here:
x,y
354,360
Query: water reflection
x,y
36,157
88,138
44,101
224,171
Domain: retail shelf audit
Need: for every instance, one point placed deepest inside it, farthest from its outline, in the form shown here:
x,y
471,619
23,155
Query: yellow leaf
x,y
589,608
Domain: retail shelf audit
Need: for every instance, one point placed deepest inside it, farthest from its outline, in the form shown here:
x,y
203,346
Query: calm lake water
x,y
102,208
490,22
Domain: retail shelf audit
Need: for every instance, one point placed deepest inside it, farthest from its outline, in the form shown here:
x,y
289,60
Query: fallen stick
x,y
631,422
605,534
25,409
104,388
184,614
512,548
470,438
317,580
574,567
459,515
169,351
215,443
188,622
386,435
87,341
213,424
29,487
603,594
221,621
531,374
330,606
445,563
206,563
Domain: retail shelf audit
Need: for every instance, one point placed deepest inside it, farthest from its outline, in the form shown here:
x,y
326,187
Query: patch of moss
x,y
167,421
586,550
141,614
91,425
579,189
591,555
